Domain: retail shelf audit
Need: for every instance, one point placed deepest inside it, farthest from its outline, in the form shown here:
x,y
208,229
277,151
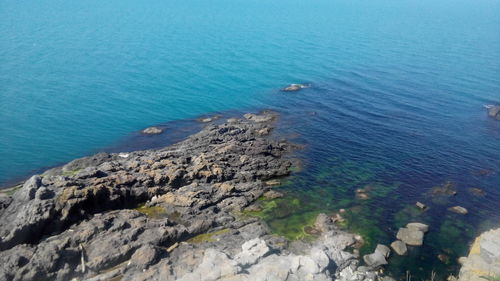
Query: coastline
x,y
133,215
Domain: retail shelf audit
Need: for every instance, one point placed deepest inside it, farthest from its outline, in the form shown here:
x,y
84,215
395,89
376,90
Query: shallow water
x,y
396,102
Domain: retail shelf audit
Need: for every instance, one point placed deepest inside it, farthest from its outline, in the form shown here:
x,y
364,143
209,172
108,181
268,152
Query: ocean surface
x,y
396,103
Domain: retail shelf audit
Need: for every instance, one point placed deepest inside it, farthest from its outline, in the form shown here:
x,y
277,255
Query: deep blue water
x,y
397,96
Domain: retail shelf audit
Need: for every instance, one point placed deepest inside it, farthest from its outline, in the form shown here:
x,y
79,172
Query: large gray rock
x,y
411,236
483,259
383,249
418,226
252,251
375,259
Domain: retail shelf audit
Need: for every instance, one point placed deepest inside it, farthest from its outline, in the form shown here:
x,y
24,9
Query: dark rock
x,y
144,256
493,111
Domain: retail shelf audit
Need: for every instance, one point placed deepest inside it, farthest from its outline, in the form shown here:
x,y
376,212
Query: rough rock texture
x,y
167,214
483,259
411,236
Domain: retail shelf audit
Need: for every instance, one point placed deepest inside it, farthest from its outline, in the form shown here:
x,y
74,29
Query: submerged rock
x,y
411,236
458,209
493,111
295,87
152,131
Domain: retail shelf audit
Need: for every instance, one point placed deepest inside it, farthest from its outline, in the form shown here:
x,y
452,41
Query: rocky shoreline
x,y
168,214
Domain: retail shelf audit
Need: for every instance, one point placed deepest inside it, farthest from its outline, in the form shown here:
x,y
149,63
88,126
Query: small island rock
x,y
152,131
458,209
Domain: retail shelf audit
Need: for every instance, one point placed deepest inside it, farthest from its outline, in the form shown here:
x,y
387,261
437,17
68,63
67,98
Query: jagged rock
x,y
411,236
271,194
458,209
399,247
152,131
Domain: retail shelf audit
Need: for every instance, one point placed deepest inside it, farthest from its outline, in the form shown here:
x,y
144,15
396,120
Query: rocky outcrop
x,y
484,258
167,214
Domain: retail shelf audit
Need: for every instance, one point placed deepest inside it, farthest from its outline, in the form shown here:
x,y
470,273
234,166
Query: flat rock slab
x,y
483,259
411,236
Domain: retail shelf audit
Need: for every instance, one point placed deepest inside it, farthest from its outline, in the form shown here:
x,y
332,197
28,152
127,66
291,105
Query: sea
x,y
395,107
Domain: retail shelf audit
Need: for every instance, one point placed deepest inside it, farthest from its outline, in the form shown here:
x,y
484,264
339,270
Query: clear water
x,y
397,99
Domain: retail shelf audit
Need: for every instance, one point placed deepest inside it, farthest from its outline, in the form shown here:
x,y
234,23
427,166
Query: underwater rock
x,y
445,189
493,111
208,119
271,194
273,182
477,191
411,236
295,87
483,259
420,205
458,209
152,131
399,247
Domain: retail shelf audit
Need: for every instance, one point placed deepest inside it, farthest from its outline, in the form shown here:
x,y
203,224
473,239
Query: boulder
x,y
383,249
483,259
419,226
458,209
375,259
144,256
411,236
420,205
399,247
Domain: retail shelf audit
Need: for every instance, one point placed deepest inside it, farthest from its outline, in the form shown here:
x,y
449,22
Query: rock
x,y
383,249
447,189
252,251
323,223
399,247
420,205
477,191
375,259
144,256
411,236
493,111
295,87
483,259
271,194
443,258
462,260
259,118
152,131
419,226
458,209
272,182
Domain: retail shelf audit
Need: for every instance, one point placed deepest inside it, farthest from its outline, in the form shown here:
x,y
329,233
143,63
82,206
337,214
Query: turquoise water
x,y
76,76
396,102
